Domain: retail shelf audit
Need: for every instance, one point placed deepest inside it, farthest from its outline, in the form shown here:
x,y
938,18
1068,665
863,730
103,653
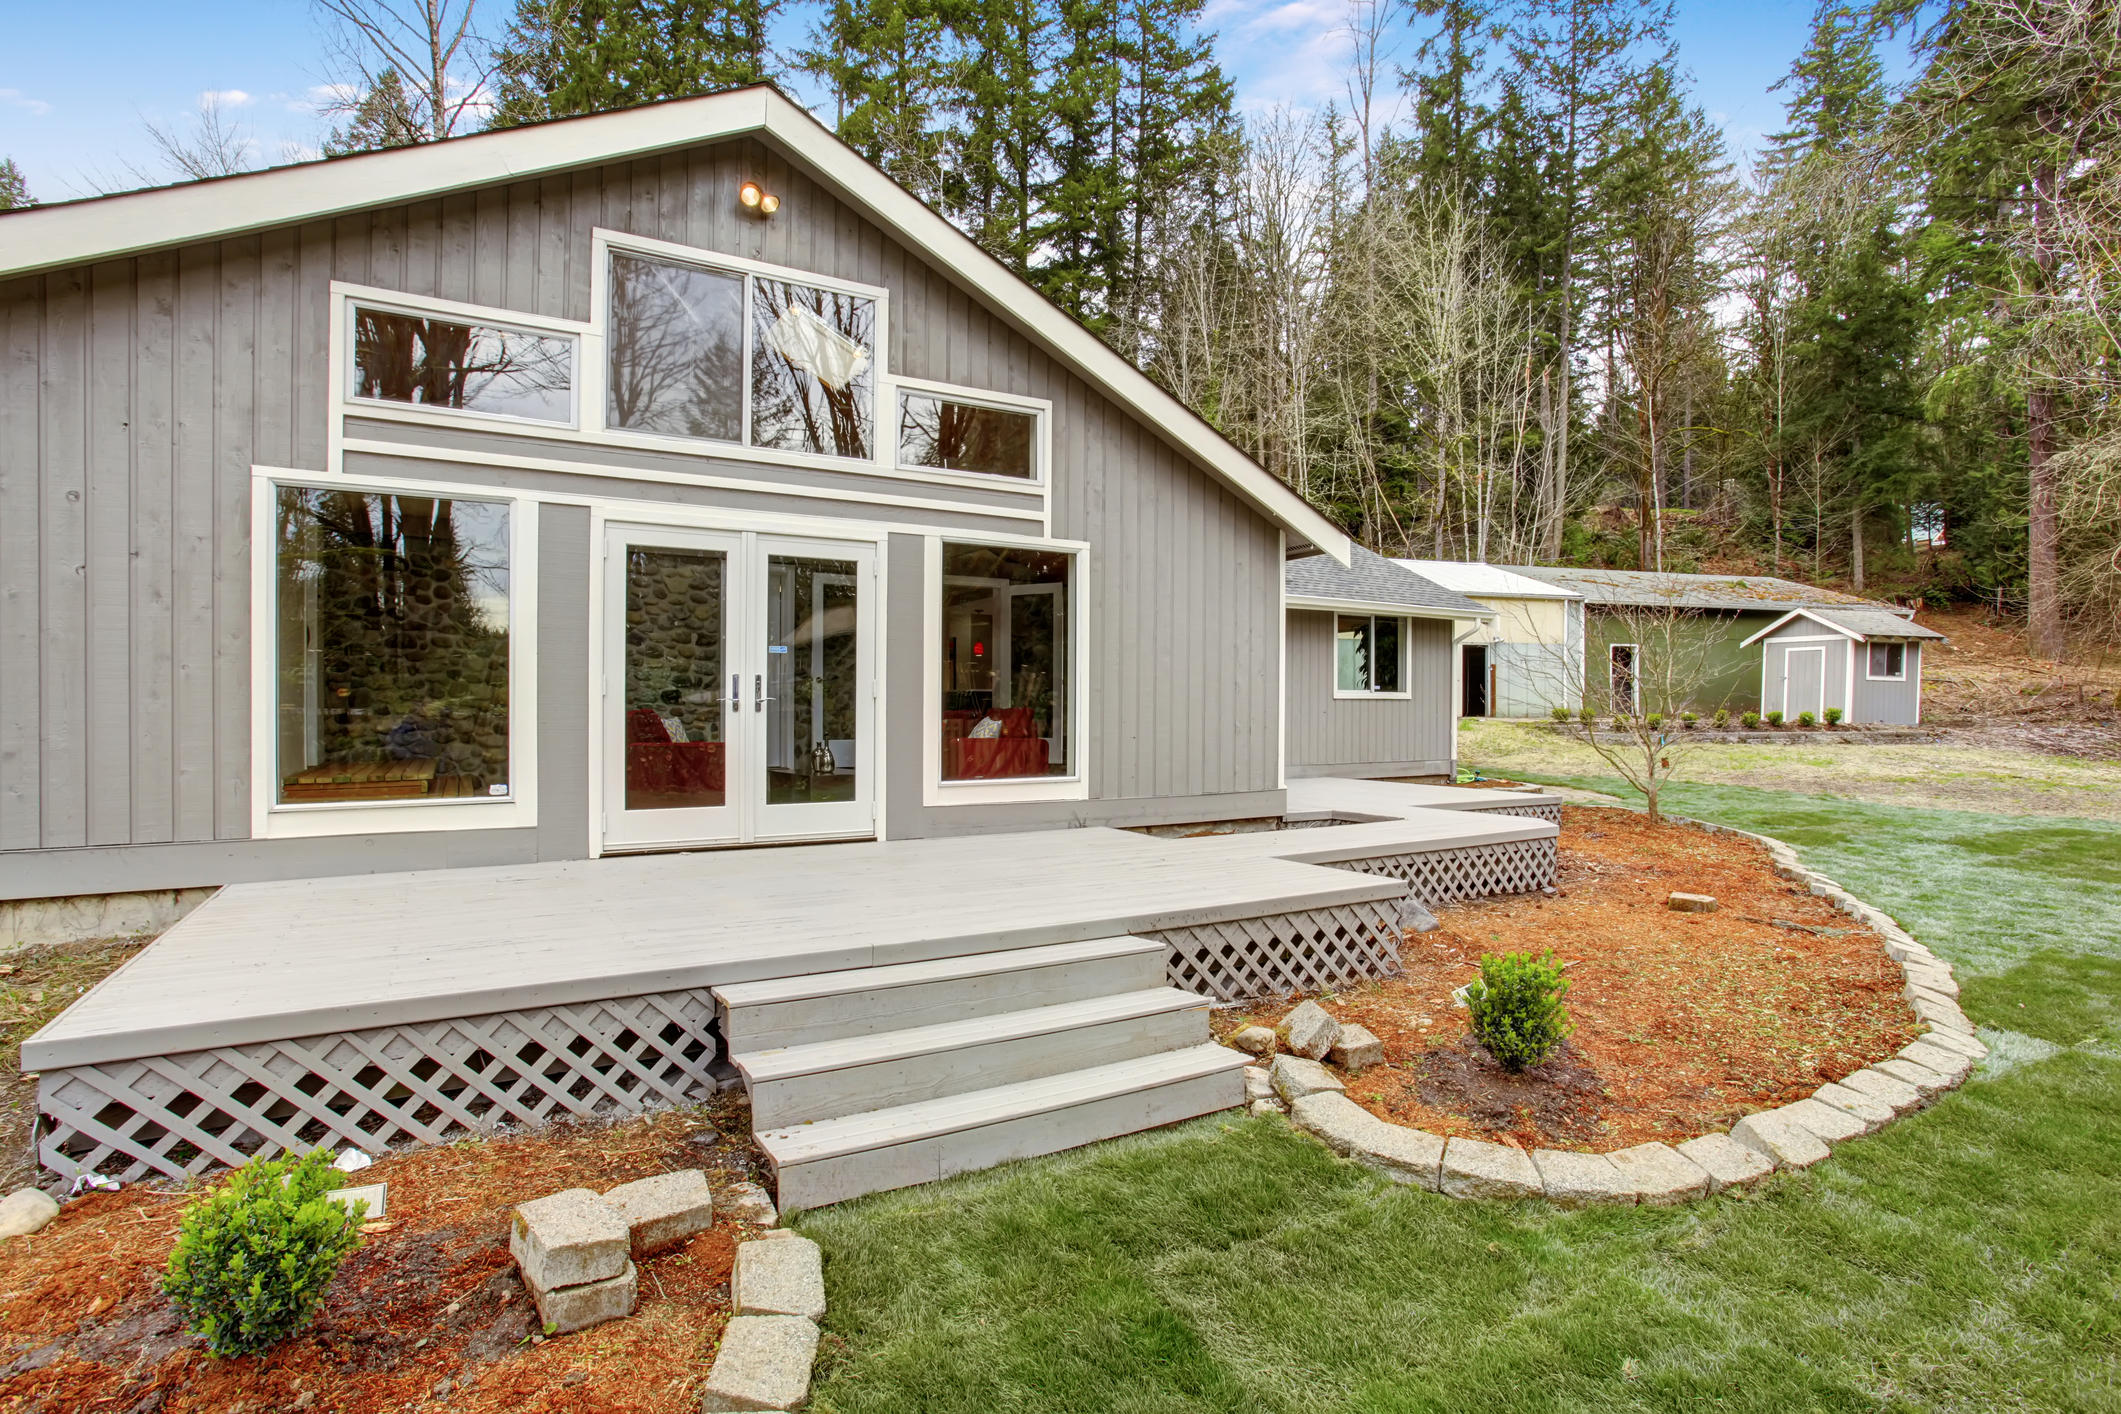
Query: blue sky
x,y
70,110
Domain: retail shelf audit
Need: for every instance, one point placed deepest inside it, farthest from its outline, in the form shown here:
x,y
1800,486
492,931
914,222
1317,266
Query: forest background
x,y
1512,299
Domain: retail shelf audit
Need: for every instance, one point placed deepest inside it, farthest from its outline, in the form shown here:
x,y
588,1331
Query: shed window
x,y
1367,653
392,647
1005,662
1889,660
442,363
954,436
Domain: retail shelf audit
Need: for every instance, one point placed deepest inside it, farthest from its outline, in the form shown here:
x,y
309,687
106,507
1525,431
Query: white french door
x,y
738,687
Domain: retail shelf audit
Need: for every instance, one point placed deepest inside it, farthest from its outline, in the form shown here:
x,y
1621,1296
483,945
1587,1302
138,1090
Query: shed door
x,y
1804,681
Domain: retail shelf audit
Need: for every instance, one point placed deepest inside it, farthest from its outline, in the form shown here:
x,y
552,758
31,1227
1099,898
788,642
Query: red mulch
x,y
429,1307
1684,1021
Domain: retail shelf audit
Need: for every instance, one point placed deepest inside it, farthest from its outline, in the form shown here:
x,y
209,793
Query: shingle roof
x,y
1864,624
1372,579
1471,577
1654,589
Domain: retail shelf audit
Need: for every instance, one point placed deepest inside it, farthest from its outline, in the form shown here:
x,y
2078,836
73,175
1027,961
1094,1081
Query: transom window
x,y
949,435
426,361
1368,653
1888,660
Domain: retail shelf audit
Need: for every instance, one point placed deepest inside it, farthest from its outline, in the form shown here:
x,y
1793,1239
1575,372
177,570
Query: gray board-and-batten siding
x,y
137,394
1373,736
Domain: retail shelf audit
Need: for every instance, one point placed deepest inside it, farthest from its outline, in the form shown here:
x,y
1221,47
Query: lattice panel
x,y
1549,811
1439,876
426,1083
1311,951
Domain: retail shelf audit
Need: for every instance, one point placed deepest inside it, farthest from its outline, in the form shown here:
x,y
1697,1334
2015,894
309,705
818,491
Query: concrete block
x,y
764,1363
747,1203
1579,1180
1871,1113
1261,1108
1933,979
1778,1137
26,1210
1310,1031
663,1211
1258,1084
1972,1047
568,1238
1254,1040
1401,1154
1877,1085
1690,903
574,1308
1659,1174
1294,1077
1938,1012
1928,1083
1357,1050
1474,1168
783,1278
1727,1162
1833,1125
1950,1064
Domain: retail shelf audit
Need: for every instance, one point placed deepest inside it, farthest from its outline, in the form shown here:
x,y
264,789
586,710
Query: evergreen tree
x,y
385,117
1002,128
883,62
562,57
1450,122
14,188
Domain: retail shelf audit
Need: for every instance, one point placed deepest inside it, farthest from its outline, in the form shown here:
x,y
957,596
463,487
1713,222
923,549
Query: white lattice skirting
x,y
1548,810
424,1084
1439,876
1310,951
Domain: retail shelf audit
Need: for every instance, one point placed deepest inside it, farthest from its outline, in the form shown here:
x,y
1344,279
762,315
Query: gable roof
x,y
1660,590
72,233
1862,625
1472,577
1369,581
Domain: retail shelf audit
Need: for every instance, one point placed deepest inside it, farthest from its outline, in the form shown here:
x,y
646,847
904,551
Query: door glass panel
x,y
675,656
809,699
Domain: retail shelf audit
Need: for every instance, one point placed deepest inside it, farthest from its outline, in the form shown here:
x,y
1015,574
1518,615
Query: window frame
x,y
1039,409
344,299
1076,784
273,819
1900,676
1406,688
1634,707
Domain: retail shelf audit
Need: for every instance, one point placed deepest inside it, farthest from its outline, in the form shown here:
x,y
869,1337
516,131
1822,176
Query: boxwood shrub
x,y
1516,1007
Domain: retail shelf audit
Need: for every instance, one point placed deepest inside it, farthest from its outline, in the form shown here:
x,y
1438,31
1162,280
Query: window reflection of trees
x,y
964,437
794,409
677,360
403,358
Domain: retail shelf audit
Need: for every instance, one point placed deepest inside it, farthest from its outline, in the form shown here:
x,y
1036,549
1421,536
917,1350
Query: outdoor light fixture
x,y
758,199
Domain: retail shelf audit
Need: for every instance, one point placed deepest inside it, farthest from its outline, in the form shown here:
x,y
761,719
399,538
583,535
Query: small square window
x,y
446,363
1888,660
1368,653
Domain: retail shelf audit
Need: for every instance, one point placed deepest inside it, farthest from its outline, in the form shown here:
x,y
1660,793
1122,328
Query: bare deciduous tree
x,y
430,45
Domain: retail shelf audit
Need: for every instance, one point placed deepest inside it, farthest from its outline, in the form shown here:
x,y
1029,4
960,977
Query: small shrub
x,y
1806,719
1586,716
1655,721
1620,721
1750,720
1688,719
1516,1008
1722,719
1559,714
253,1259
1833,716
1774,719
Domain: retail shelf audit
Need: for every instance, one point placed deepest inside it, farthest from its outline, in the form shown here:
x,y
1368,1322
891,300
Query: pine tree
x,y
385,117
883,62
562,57
1002,129
1450,122
14,188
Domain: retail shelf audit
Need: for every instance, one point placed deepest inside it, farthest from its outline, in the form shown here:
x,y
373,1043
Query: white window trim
x,y
1342,694
345,296
1041,410
935,790
1869,676
272,820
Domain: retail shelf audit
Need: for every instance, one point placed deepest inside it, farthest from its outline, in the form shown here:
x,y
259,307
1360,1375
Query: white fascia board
x,y
1801,614
1397,611
106,228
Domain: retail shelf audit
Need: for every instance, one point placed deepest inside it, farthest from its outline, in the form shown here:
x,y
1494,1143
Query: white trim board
x,y
103,228
1376,606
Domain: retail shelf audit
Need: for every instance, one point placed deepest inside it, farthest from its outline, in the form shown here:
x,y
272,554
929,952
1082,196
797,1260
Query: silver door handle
x,y
758,689
736,692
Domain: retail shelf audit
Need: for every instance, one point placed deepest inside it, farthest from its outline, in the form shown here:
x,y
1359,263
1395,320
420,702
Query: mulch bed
x,y
428,1311
1684,1021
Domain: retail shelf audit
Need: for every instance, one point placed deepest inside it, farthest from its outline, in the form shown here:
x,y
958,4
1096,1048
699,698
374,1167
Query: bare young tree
x,y
429,45
217,146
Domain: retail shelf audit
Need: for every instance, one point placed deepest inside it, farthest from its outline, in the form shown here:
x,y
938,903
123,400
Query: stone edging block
x,y
776,1299
1793,1136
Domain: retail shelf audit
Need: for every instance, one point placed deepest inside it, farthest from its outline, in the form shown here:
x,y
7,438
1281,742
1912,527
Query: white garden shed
x,y
1867,662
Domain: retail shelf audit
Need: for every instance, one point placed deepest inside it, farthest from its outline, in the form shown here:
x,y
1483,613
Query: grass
x,y
1963,1260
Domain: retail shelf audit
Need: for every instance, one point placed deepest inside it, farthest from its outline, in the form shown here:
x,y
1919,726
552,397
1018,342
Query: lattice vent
x,y
1310,951
426,1083
1549,811
1441,875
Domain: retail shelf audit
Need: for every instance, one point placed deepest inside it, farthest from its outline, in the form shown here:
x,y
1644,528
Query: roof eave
x,y
1333,603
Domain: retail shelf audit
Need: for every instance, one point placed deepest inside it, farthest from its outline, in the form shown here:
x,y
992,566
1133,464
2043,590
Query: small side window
x,y
445,363
953,436
1367,653
1888,660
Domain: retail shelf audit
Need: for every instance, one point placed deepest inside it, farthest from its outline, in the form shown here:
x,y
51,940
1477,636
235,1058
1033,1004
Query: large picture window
x,y
392,653
446,363
1005,663
1368,653
812,361
677,349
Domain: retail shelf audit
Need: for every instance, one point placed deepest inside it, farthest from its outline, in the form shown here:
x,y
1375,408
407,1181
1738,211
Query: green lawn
x,y
1964,1259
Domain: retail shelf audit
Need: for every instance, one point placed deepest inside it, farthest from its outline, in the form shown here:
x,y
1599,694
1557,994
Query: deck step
x,y
829,1079
836,1159
862,1001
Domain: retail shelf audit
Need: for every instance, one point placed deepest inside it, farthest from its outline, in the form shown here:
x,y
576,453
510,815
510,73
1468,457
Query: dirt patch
x,y
36,984
429,1310
1684,1022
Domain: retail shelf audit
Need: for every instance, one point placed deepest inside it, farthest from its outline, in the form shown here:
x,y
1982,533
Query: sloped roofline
x,y
1843,629
63,234
1533,588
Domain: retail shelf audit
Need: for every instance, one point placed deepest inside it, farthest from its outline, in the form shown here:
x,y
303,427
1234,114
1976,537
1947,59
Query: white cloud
x,y
16,98
225,97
